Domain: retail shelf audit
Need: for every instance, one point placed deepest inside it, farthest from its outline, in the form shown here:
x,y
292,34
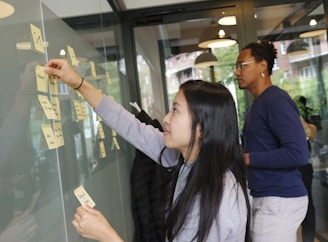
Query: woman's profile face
x,y
177,125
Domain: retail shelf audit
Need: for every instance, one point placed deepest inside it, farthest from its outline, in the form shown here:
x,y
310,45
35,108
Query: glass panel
x,y
298,32
30,184
51,140
174,61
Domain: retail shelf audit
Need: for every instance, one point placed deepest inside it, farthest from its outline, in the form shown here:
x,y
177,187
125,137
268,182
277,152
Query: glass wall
x,y
51,140
166,55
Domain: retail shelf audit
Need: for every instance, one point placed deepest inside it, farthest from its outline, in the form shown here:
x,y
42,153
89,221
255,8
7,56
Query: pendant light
x,y
297,47
228,20
215,36
6,9
314,32
205,59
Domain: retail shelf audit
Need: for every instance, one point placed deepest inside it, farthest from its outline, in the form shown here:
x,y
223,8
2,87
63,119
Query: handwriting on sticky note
x,y
83,197
37,38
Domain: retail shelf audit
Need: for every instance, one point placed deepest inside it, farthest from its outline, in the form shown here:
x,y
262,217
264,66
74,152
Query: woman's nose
x,y
166,118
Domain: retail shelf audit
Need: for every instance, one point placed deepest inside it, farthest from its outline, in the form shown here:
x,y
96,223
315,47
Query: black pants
x,y
308,224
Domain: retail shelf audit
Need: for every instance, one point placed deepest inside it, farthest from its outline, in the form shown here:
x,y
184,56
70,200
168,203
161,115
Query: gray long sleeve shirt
x,y
230,222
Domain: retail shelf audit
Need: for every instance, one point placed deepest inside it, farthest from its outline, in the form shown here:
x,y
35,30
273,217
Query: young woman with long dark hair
x,y
206,199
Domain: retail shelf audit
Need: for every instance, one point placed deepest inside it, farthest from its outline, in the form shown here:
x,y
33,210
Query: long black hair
x,y
212,107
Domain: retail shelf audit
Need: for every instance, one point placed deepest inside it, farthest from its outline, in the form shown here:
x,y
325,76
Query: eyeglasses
x,y
241,66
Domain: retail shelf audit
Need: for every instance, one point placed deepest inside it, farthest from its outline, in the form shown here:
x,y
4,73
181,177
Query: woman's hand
x,y
61,69
90,223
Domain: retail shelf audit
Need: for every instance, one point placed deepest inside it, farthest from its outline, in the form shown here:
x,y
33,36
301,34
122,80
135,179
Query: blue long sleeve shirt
x,y
276,143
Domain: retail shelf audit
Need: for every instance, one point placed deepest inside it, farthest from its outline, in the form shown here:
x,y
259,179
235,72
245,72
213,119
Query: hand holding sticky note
x,y
83,197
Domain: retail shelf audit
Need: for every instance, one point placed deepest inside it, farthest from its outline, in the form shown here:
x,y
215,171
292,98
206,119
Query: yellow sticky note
x,y
47,107
102,149
49,136
78,111
58,132
72,56
115,143
56,106
108,78
101,132
93,69
83,197
41,79
53,85
37,38
84,115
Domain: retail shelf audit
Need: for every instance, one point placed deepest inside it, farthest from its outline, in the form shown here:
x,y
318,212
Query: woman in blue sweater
x,y
206,197
274,147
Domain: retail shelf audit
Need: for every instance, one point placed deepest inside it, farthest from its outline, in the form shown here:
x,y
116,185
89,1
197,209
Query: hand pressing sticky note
x,y
83,197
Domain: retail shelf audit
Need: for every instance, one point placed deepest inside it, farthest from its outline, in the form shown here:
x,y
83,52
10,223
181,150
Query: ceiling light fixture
x,y
313,22
312,33
27,45
227,20
215,37
62,53
297,47
23,45
206,59
6,9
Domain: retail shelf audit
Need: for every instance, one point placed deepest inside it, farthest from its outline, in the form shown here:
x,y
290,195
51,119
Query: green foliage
x,y
227,59
298,85
225,73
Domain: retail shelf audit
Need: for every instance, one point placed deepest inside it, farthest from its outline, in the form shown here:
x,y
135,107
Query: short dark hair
x,y
263,50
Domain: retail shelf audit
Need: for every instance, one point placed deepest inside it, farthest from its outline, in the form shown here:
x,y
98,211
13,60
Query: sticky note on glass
x,y
58,132
83,197
72,56
53,85
93,69
101,132
47,107
108,78
49,136
41,79
102,150
37,38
